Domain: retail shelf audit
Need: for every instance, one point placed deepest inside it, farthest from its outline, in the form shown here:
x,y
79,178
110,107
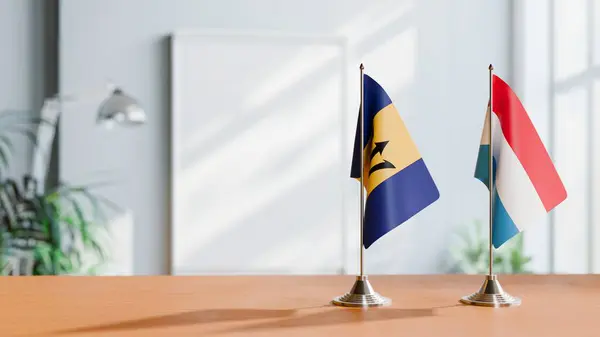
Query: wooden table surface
x,y
290,306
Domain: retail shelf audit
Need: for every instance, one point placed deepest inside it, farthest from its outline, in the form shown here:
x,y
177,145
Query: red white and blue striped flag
x,y
526,183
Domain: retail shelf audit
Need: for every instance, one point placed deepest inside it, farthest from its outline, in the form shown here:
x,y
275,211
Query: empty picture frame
x,y
260,153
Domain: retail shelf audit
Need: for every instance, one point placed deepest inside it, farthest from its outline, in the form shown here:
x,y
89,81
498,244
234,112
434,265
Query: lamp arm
x,y
46,132
64,98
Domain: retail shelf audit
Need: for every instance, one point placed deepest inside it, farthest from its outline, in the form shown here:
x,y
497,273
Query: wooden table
x,y
292,306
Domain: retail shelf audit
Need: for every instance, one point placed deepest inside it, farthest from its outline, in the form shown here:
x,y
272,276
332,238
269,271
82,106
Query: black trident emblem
x,y
379,146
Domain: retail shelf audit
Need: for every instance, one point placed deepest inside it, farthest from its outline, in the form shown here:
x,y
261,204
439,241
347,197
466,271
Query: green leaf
x,y
6,148
81,219
42,253
56,257
71,226
76,261
93,270
498,259
53,224
99,250
66,267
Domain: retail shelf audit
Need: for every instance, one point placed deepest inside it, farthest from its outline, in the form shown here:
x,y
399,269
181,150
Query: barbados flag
x,y
526,183
395,177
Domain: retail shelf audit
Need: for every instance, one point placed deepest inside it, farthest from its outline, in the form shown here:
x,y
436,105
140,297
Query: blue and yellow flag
x,y
395,177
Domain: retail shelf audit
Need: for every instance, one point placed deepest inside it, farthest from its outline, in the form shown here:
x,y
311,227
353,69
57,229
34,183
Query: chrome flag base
x,y
491,294
361,295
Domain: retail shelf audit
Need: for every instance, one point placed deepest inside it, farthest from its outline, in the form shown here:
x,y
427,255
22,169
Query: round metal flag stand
x,y
491,294
361,295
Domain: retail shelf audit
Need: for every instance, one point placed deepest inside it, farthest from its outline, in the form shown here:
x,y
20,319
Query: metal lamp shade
x,y
122,109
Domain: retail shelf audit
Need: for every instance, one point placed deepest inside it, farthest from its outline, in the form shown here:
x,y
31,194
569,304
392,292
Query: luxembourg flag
x,y
526,183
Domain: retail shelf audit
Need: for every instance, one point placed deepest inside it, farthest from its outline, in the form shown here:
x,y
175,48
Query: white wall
x,y
25,77
431,56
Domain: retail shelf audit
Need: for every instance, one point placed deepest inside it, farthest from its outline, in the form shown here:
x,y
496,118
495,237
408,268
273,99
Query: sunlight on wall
x,y
300,68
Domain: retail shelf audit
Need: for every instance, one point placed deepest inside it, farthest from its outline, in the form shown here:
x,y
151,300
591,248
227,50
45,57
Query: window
x,y
557,75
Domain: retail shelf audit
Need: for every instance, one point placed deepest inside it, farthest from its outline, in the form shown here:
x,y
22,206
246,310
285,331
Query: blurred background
x,y
238,161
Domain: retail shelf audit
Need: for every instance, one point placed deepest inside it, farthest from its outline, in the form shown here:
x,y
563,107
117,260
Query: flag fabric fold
x,y
397,182
526,184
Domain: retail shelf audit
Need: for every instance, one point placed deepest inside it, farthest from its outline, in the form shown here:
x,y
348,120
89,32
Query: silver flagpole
x,y
362,293
491,293
362,167
491,173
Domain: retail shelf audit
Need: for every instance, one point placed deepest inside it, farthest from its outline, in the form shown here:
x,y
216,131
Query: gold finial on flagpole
x,y
491,293
362,293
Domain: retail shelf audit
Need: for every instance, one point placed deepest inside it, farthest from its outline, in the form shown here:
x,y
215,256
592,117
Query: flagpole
x,y
491,172
362,166
362,294
490,293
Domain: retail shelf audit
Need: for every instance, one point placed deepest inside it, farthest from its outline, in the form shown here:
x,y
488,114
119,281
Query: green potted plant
x,y
60,231
470,254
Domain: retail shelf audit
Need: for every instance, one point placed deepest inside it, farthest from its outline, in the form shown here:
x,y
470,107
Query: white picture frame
x,y
240,258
